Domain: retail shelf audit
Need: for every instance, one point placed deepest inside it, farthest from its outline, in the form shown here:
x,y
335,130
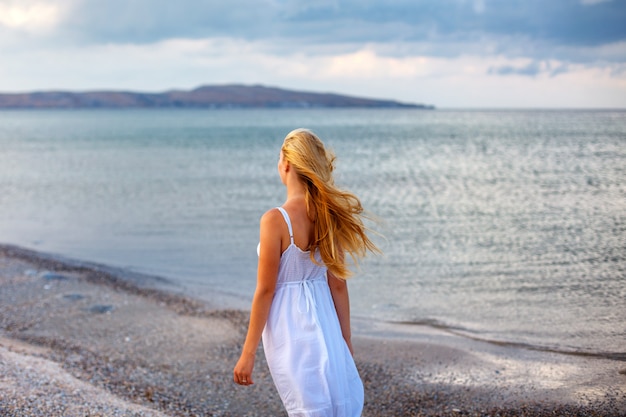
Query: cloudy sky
x,y
450,53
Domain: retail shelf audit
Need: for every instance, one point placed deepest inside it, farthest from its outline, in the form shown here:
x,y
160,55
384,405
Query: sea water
x,y
503,225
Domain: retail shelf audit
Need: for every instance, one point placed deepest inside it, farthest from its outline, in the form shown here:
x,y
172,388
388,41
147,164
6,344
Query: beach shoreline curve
x,y
78,336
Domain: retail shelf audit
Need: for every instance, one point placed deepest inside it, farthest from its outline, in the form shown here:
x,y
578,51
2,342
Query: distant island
x,y
210,96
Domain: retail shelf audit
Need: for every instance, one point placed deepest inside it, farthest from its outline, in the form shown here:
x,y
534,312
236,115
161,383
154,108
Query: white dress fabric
x,y
308,358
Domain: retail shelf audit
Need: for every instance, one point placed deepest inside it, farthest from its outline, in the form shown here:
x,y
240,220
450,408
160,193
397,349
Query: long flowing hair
x,y
337,215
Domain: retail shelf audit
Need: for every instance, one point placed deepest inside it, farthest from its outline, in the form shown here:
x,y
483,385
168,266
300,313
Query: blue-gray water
x,y
505,225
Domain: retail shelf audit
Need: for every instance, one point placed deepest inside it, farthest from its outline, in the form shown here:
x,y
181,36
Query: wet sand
x,y
79,339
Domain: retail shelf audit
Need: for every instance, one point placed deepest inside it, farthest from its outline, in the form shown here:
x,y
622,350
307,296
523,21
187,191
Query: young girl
x,y
301,307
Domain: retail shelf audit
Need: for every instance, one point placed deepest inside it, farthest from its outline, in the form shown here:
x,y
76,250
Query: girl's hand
x,y
242,374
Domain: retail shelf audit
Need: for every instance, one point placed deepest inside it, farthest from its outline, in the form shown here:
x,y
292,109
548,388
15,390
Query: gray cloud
x,y
145,21
532,69
568,30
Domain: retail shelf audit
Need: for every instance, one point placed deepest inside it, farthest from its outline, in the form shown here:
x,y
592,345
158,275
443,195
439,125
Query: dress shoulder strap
x,y
287,220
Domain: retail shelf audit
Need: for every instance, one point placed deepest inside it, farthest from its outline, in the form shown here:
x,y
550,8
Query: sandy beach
x,y
79,339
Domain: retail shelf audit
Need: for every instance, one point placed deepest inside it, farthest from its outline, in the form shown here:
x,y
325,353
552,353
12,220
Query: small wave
x,y
460,331
97,271
430,323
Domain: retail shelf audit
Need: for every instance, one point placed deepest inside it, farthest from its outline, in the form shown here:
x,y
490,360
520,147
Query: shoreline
x,y
219,300
79,338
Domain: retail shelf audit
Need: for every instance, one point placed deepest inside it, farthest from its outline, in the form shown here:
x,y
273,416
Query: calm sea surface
x,y
504,225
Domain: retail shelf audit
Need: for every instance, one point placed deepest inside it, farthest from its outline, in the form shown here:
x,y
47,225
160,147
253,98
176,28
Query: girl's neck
x,y
295,194
295,187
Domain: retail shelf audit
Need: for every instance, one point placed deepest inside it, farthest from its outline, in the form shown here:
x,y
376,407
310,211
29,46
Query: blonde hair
x,y
337,215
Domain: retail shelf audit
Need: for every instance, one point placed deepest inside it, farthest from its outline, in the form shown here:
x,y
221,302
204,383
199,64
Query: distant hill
x,y
210,96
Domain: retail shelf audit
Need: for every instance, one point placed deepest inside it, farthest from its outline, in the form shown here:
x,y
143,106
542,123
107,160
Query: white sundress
x,y
308,358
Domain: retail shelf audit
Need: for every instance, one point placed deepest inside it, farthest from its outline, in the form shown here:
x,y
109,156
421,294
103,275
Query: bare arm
x,y
269,260
339,291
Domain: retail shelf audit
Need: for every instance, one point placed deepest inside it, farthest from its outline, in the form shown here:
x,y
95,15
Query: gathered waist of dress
x,y
301,281
305,288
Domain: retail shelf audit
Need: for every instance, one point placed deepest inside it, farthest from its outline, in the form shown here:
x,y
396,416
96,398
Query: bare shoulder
x,y
271,231
271,218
